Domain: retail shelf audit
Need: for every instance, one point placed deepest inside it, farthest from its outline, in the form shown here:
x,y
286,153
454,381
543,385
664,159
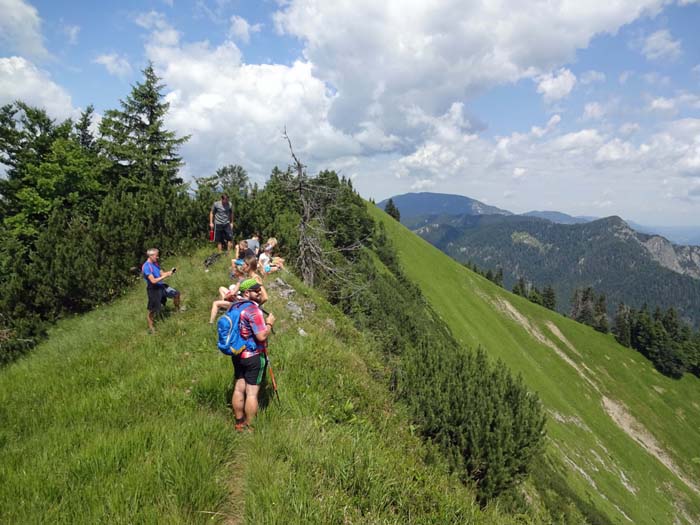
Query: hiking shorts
x,y
252,369
223,233
158,295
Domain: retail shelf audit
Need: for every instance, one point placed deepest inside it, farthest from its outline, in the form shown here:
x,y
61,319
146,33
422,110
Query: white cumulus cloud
x,y
236,112
398,54
116,65
22,80
20,29
660,45
593,111
162,33
592,77
555,86
240,29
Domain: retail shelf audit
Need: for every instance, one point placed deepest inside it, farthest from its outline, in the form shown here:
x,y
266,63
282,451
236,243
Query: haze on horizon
x,y
588,109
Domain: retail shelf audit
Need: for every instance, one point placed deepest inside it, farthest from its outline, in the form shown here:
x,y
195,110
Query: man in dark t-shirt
x,y
221,221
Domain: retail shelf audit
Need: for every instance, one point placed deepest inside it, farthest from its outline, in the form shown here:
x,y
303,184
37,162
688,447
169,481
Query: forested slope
x,y
606,254
624,438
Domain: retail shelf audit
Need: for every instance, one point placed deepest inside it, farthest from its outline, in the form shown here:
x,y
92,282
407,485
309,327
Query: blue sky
x,y
590,109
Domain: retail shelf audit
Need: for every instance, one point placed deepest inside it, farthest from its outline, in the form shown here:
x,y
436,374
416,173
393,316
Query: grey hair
x,y
152,251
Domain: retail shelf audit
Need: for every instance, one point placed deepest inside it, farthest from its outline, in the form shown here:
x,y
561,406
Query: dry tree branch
x,y
313,260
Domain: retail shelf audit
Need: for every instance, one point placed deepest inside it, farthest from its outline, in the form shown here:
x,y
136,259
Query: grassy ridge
x,y
601,463
103,423
99,424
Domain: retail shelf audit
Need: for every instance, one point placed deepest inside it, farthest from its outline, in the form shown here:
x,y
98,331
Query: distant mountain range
x,y
412,205
425,203
568,253
558,217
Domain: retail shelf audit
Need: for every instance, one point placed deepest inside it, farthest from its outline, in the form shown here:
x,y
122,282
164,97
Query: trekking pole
x,y
272,376
269,366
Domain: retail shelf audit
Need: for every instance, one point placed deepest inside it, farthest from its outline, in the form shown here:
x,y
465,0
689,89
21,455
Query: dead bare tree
x,y
314,259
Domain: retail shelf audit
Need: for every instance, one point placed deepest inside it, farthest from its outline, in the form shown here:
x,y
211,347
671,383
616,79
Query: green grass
x,y
103,423
595,456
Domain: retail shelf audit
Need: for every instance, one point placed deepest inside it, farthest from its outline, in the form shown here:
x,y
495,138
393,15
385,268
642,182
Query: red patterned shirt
x,y
253,322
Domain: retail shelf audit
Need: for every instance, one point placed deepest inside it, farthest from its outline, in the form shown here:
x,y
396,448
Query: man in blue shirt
x,y
158,291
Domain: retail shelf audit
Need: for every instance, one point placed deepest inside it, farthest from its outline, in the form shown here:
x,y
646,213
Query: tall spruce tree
x,y
535,296
498,277
392,210
549,297
623,327
83,132
520,287
600,315
134,137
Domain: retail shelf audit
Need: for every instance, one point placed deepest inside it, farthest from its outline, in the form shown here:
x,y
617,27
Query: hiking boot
x,y
243,426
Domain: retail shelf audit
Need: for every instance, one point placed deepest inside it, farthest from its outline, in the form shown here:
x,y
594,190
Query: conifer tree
x,y
520,287
83,133
672,325
134,137
549,297
535,296
498,277
583,306
392,210
600,315
622,327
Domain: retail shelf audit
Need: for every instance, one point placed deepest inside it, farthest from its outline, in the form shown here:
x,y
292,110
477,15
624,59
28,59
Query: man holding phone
x,y
158,291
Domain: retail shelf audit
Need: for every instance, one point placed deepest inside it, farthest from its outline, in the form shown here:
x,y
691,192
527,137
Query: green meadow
x,y
622,437
104,423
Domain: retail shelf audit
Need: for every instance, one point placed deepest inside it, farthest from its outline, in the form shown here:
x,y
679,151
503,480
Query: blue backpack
x,y
230,341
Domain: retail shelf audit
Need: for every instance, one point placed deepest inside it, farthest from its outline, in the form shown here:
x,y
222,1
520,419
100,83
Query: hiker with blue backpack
x,y
243,332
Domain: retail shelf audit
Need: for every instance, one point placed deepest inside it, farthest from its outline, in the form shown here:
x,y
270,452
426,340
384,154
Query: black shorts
x,y
158,295
223,233
156,298
252,369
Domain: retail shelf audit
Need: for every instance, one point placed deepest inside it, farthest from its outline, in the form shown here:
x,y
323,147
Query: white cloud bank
x,y
240,29
661,46
397,54
391,114
22,80
556,86
237,112
20,29
115,64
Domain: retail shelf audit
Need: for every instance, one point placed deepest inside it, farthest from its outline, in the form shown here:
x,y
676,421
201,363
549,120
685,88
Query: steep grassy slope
x,y
625,438
106,424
